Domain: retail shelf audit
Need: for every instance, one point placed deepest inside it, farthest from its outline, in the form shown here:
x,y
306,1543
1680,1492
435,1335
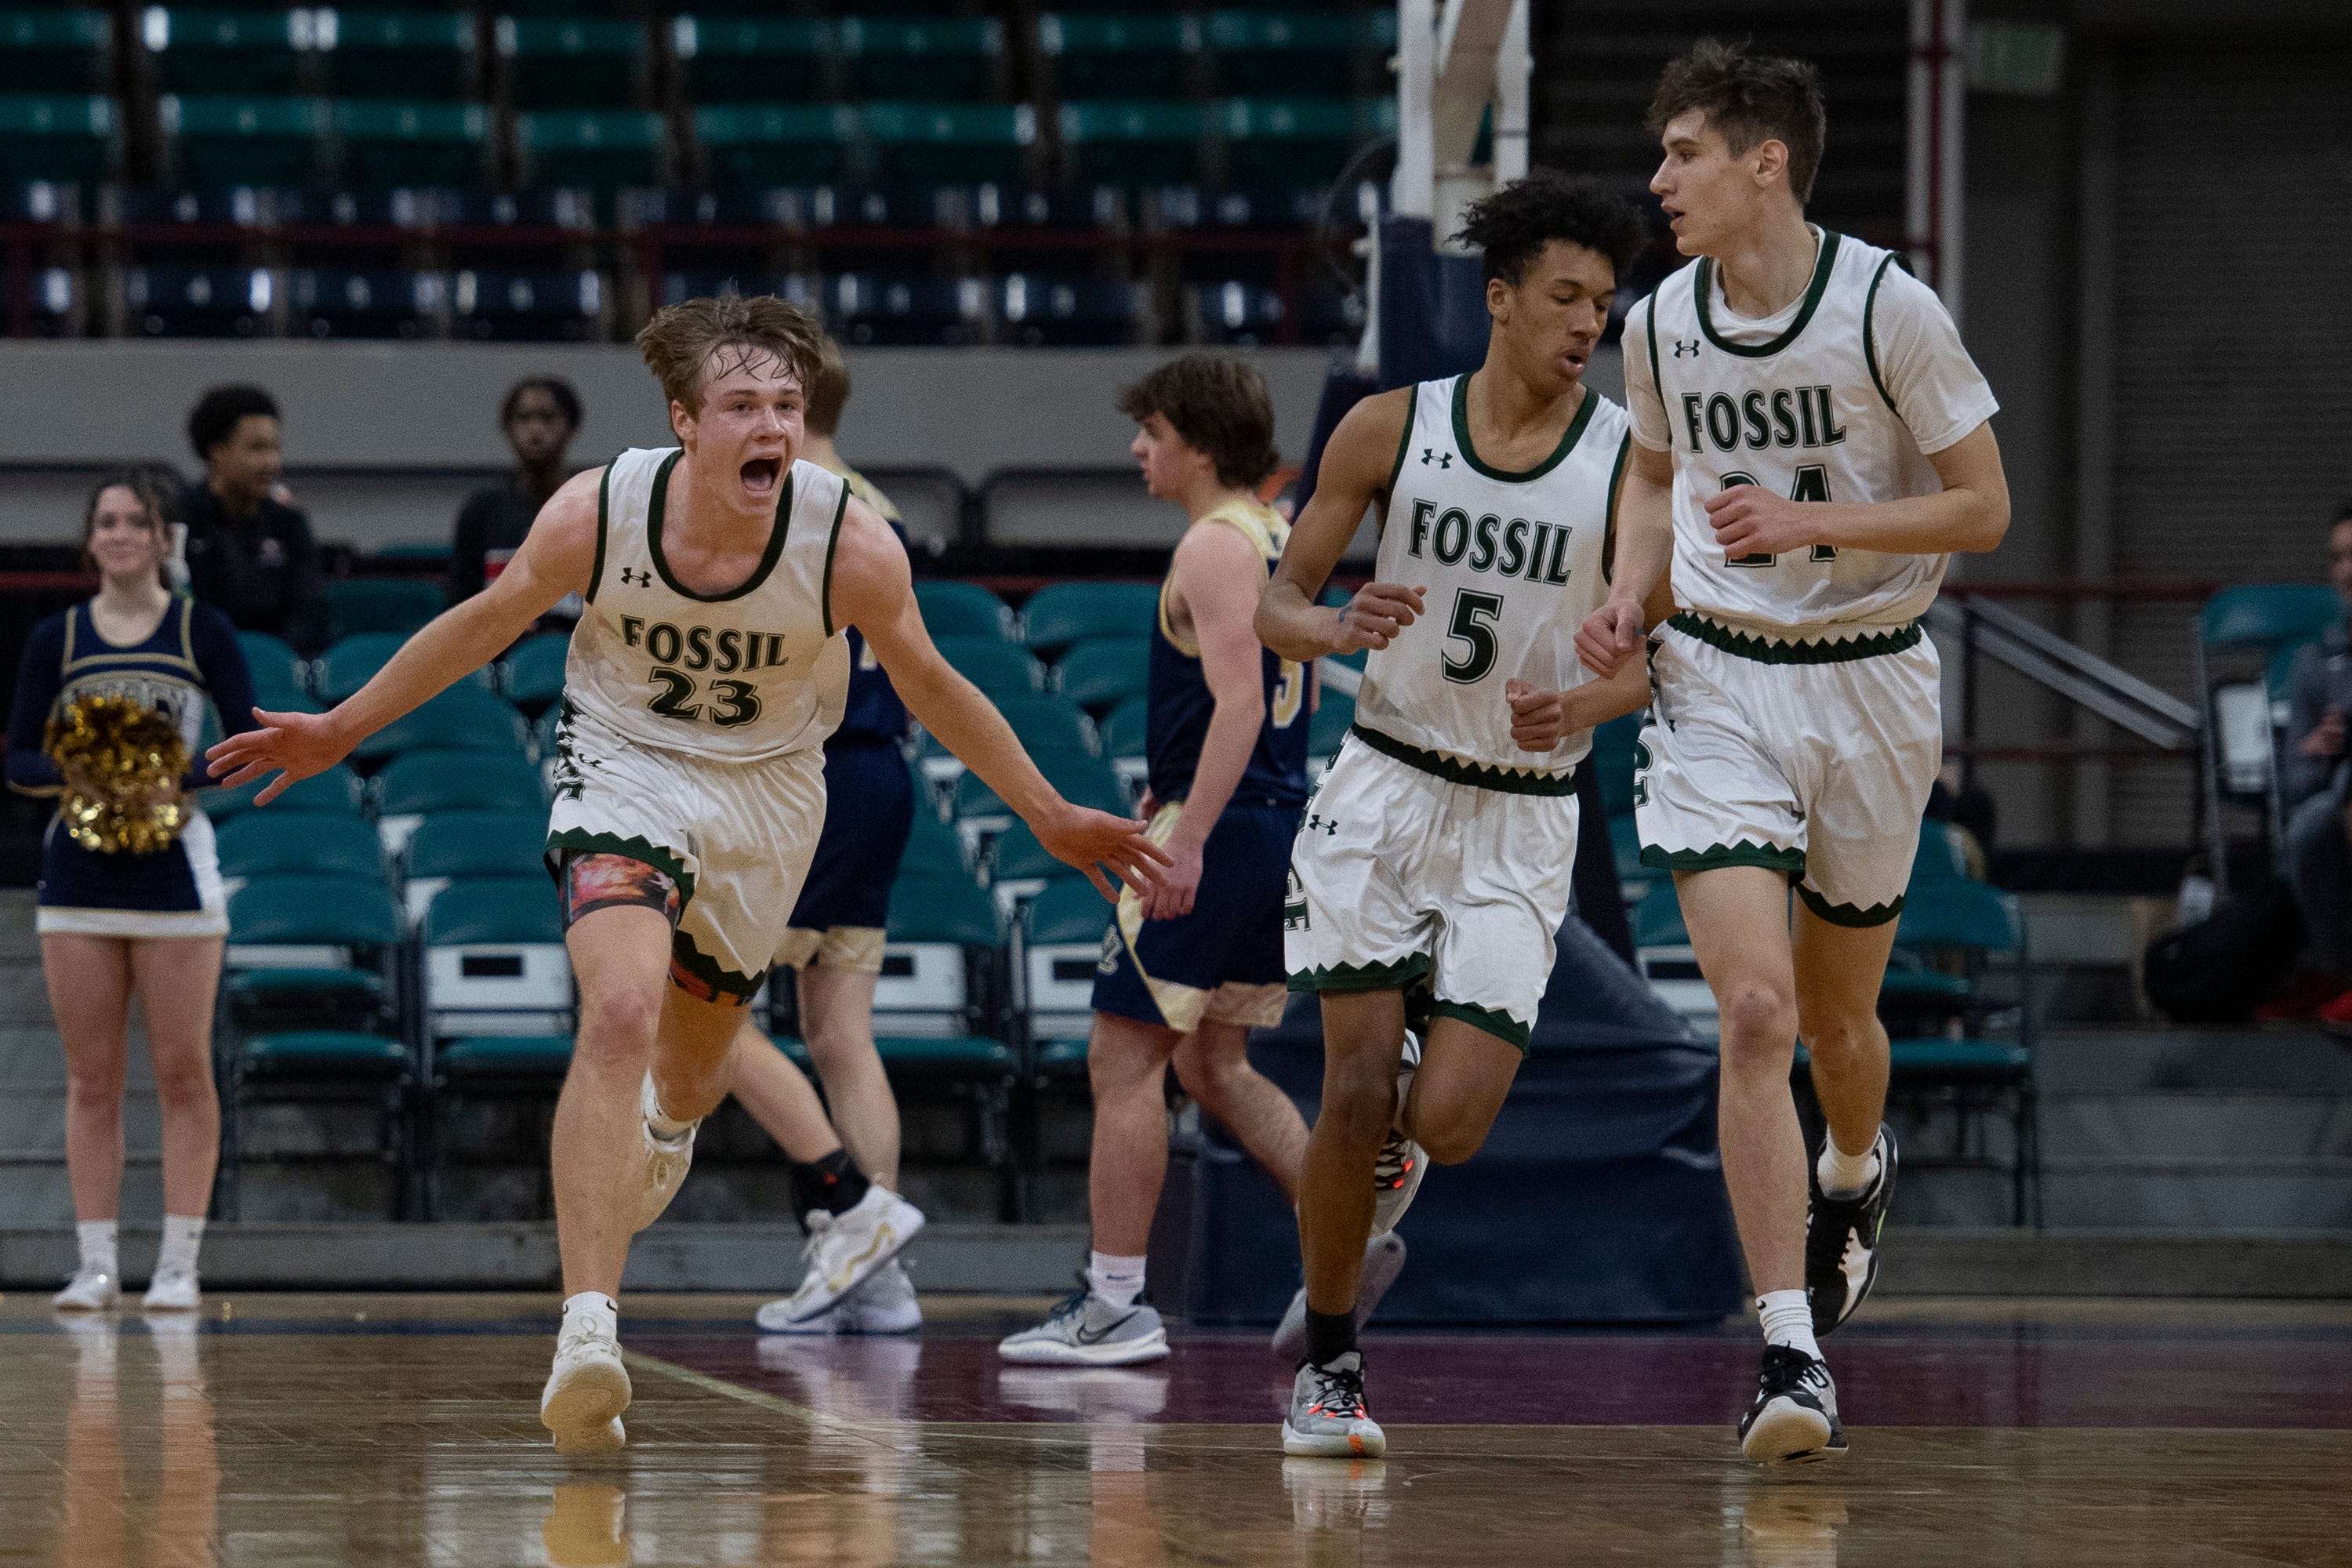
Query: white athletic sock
x,y
668,1129
1788,1321
1118,1281
597,1307
1845,1175
97,1253
183,1234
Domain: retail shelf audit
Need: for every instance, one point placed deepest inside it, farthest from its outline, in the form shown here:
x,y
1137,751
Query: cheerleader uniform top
x,y
192,654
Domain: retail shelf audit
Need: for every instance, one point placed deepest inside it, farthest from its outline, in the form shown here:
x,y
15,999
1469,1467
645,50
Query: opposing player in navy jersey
x,y
834,951
1188,972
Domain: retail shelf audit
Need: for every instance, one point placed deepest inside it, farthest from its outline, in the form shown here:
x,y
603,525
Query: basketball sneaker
x,y
1084,1329
1383,1260
1327,1419
666,1159
1841,1240
1794,1419
173,1289
588,1388
885,1304
1398,1168
90,1290
844,1250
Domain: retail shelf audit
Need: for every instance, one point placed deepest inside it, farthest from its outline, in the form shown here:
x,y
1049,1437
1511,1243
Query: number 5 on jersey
x,y
1472,622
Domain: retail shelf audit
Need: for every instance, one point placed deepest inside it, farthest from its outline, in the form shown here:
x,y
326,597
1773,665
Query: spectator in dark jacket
x,y
2313,778
540,416
250,553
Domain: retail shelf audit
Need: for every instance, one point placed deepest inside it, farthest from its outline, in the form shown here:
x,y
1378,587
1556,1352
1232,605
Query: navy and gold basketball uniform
x,y
192,654
869,810
1222,961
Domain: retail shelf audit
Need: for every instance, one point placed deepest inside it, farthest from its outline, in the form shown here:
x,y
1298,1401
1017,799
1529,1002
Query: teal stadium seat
x,y
2268,613
1297,51
1133,142
1050,724
573,62
1126,730
337,790
1150,54
275,841
1019,867
464,718
1066,924
221,139
751,59
1063,613
413,143
382,605
1291,141
417,783
451,845
1083,779
532,676
937,1011
56,50
998,669
426,55
1334,711
276,668
51,136
919,143
1099,674
749,144
932,848
959,609
1612,759
601,150
922,57
206,51
349,662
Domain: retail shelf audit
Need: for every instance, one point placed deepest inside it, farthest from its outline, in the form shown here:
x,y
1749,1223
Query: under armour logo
x,y
636,579
1431,455
1686,346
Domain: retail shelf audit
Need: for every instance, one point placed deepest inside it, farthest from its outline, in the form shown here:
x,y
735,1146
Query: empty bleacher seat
x,y
418,782
938,1013
275,841
224,51
777,144
1334,711
349,663
1065,923
201,301
1099,673
462,845
1124,730
1050,723
796,288
929,56
464,718
398,54
944,143
382,605
1082,780
531,675
1061,614
1295,51
573,62
742,59
1133,142
1612,757
908,311
1292,142
1072,311
413,143
338,790
1150,53
530,307
952,608
338,303
46,136
224,140
996,667
56,50
1234,313
276,668
596,148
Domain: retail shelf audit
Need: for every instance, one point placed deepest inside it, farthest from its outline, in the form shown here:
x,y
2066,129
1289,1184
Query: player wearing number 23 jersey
x,y
693,728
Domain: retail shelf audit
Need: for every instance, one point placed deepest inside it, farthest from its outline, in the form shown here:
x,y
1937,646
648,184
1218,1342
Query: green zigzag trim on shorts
x,y
1850,915
666,861
1485,1020
695,962
1769,651
1478,775
1347,979
1746,852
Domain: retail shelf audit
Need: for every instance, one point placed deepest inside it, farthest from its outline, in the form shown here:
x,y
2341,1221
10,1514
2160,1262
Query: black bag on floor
x,y
2217,971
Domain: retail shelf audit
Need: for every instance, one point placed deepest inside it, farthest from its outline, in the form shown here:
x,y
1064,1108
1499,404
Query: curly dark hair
x,y
1219,403
214,418
1515,224
1749,98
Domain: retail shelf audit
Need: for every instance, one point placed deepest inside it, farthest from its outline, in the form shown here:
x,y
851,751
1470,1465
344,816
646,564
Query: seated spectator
x,y
2313,774
540,417
250,553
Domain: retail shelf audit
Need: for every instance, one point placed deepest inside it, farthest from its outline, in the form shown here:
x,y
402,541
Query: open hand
x,y
1749,519
1092,840
1179,885
297,744
1538,719
1609,636
1377,614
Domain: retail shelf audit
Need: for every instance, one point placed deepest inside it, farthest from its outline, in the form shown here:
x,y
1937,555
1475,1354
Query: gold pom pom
x,y
122,763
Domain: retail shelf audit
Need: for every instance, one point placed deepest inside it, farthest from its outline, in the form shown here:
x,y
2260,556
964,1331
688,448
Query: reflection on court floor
x,y
333,1430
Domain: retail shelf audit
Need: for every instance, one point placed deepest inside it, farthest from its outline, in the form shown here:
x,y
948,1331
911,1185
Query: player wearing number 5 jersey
x,y
1810,442
719,577
1432,869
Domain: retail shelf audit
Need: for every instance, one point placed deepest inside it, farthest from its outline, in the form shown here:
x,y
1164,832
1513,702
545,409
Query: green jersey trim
x,y
831,543
777,527
1869,347
1650,327
1704,285
1609,526
1715,856
1853,916
1485,1020
603,524
1470,454
1478,775
1770,650
719,980
1350,978
1405,441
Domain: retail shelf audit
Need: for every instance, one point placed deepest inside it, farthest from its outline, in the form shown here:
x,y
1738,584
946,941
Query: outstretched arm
x,y
556,559
1358,465
873,590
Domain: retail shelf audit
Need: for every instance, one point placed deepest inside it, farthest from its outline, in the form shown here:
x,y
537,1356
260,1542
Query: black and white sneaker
x,y
1794,1420
1841,1240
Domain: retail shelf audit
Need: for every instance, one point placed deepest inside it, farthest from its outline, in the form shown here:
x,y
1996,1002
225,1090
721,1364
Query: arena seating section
x,y
926,171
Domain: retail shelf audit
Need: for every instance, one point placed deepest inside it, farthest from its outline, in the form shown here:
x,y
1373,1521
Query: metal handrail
x,y
2074,672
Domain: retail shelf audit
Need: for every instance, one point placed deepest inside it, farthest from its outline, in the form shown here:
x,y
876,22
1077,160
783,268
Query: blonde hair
x,y
828,390
681,341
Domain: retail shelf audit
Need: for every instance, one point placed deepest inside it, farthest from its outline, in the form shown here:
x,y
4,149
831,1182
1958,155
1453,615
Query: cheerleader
x,y
112,923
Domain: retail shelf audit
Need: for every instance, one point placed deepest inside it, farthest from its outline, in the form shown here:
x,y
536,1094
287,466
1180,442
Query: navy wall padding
x,y
1344,386
1598,1196
1433,320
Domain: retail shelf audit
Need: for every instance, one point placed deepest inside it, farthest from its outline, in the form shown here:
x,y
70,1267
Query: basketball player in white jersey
x,y
1432,870
710,664
1810,442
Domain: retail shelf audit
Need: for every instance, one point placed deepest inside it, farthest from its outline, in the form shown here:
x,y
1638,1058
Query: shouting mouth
x,y
761,475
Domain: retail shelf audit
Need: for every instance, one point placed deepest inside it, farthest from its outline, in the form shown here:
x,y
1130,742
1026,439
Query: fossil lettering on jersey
x,y
728,651
1784,416
1536,552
